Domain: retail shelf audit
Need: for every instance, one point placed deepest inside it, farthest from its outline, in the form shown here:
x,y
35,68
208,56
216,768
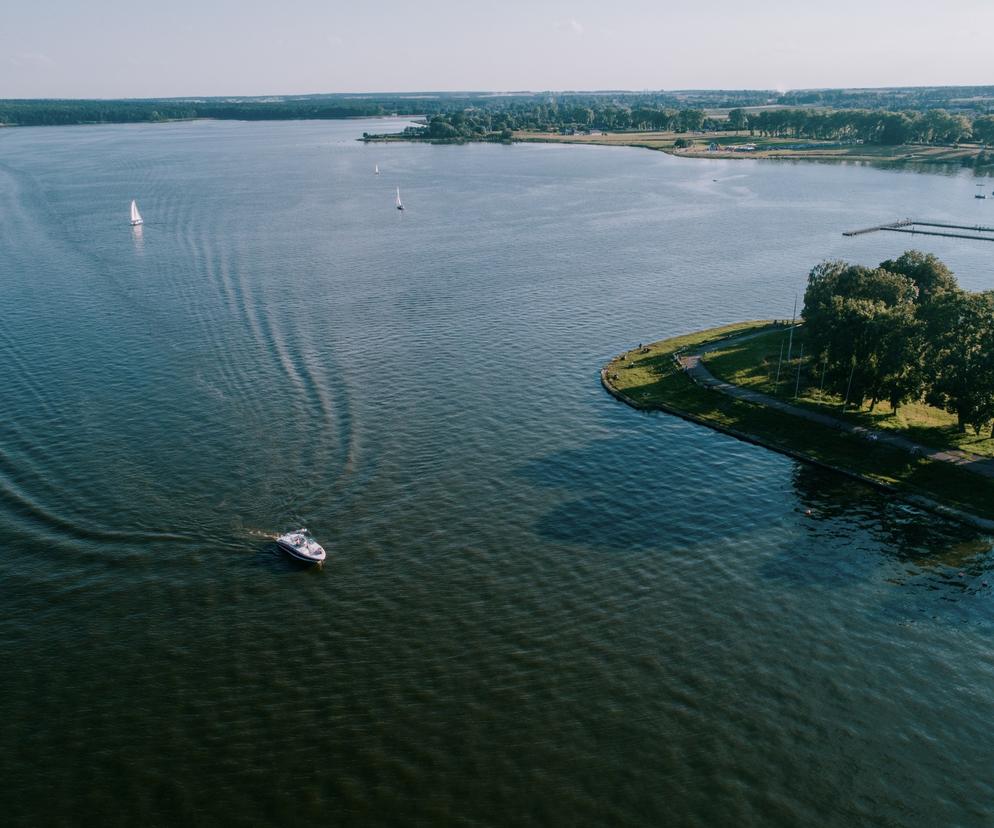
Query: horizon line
x,y
507,93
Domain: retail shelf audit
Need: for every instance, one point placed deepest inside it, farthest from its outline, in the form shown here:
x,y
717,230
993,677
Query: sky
x,y
110,49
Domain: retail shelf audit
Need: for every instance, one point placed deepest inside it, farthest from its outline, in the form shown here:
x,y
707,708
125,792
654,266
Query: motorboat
x,y
301,546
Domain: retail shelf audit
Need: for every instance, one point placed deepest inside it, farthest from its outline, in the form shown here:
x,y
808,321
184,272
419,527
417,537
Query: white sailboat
x,y
400,204
376,169
136,217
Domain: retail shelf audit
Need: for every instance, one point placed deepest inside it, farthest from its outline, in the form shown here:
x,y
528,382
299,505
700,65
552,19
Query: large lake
x,y
540,606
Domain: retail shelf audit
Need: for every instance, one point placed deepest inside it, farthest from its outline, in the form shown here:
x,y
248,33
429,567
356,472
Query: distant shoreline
x,y
713,146
976,157
784,150
213,118
653,378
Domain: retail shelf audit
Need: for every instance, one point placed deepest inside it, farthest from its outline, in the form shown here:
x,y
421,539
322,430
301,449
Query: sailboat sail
x,y
400,204
136,217
376,169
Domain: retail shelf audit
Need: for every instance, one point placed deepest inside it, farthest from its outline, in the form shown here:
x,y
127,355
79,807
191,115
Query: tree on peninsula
x,y
903,331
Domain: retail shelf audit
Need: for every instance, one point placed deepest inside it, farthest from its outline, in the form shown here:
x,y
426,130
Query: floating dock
x,y
975,231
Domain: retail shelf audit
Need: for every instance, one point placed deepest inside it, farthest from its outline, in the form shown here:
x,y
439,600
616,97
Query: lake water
x,y
540,606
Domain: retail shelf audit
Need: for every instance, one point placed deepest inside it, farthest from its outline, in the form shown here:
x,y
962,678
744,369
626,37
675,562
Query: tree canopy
x,y
903,331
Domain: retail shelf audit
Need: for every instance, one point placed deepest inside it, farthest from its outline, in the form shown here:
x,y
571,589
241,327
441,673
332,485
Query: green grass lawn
x,y
912,155
650,379
754,364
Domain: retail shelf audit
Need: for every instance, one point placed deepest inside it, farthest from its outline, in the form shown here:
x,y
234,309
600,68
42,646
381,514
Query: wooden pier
x,y
976,231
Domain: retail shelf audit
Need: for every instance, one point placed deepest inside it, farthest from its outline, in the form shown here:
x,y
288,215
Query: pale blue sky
x,y
110,48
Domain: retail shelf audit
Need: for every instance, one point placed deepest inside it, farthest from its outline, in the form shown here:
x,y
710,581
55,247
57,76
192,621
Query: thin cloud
x,y
571,26
28,59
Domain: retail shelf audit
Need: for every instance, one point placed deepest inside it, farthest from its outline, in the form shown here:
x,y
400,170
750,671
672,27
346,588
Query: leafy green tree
x,y
861,322
962,355
899,351
895,128
439,127
930,275
737,119
690,120
983,129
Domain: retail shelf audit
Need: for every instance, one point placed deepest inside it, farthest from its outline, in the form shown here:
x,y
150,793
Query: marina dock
x,y
933,228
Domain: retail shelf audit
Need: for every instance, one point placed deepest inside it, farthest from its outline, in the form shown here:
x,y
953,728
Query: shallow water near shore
x,y
539,606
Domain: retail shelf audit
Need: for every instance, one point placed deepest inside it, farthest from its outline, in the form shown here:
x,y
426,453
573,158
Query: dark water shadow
x,y
848,532
635,492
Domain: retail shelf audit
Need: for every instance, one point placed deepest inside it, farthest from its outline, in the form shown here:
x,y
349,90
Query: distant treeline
x,y
61,113
935,126
901,332
519,110
917,98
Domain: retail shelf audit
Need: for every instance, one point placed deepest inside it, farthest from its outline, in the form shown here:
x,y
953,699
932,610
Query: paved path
x,y
693,364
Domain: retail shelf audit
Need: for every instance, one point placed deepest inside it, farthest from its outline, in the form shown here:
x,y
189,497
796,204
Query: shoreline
x,y
917,481
912,156
4,125
918,157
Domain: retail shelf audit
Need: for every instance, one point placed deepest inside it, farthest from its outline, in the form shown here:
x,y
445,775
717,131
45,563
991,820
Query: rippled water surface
x,y
539,605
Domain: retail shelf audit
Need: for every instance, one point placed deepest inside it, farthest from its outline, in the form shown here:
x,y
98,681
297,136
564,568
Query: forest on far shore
x,y
798,113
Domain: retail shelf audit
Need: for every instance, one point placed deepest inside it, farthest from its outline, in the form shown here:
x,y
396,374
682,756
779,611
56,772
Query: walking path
x,y
694,365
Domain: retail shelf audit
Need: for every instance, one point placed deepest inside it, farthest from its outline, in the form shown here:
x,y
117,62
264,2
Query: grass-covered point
x,y
650,379
753,364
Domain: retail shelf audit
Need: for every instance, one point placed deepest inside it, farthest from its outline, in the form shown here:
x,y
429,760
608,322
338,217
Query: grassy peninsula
x,y
890,378
650,379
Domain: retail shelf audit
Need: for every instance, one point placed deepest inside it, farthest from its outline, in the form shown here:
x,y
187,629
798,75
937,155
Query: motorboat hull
x,y
312,552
